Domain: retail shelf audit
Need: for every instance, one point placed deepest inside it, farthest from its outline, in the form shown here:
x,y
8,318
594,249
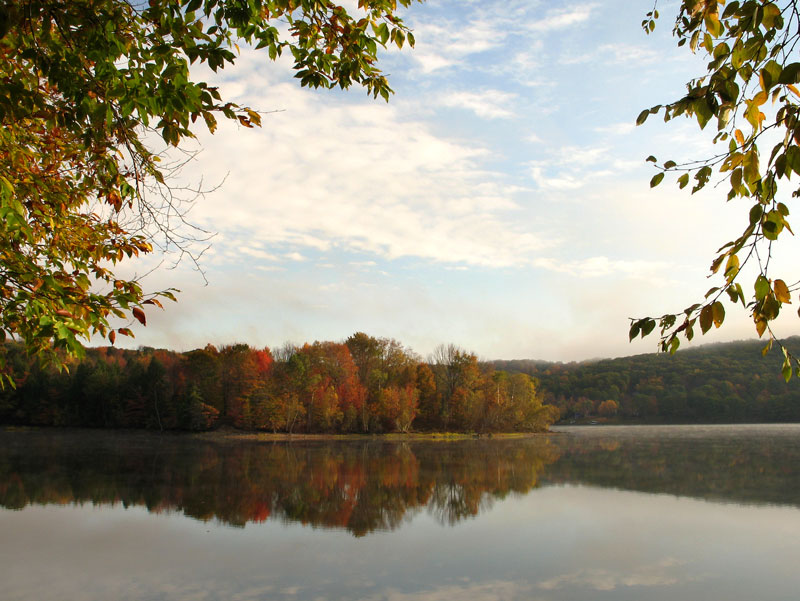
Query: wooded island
x,y
362,385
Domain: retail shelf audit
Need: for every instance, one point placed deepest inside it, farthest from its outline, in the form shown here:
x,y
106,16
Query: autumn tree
x,y
383,364
428,402
203,369
749,95
335,361
286,382
244,373
85,88
457,374
330,385
608,408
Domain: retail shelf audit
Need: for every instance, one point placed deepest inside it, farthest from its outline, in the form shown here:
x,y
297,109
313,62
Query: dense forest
x,y
363,385
375,385
728,382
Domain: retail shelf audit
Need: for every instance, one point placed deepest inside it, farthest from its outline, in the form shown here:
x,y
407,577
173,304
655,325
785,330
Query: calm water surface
x,y
589,513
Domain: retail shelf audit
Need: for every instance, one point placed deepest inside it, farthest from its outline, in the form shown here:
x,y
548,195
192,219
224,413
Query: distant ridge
x,y
718,382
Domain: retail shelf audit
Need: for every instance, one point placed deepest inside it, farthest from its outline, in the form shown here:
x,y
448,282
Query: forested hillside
x,y
730,382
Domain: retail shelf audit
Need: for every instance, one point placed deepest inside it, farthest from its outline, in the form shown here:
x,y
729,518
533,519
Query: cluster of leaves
x,y
365,384
749,93
82,85
728,382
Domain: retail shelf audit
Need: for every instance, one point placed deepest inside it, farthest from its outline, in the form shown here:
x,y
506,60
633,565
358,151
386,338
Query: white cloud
x,y
602,267
448,44
363,177
562,18
571,167
628,54
489,104
616,129
257,253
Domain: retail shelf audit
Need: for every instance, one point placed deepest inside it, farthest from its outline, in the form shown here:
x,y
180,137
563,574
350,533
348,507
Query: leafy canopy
x,y
749,93
83,86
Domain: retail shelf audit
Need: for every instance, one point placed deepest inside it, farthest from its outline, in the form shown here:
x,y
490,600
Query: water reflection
x,y
359,486
757,464
376,485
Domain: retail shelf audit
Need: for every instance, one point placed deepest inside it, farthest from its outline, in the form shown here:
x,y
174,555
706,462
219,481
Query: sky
x,y
500,201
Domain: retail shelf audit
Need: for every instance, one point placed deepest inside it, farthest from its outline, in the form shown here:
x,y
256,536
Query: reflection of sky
x,y
569,542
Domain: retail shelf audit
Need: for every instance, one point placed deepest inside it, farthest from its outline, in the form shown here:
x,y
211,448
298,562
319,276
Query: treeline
x,y
729,382
364,384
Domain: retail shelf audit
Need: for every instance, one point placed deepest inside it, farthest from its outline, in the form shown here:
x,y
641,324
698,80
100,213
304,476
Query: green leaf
x,y
762,287
656,179
755,213
790,74
706,318
702,111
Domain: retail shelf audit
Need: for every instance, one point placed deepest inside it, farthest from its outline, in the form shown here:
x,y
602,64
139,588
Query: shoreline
x,y
232,434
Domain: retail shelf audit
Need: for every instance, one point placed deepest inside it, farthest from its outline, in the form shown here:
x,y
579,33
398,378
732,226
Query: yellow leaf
x,y
732,267
717,313
782,291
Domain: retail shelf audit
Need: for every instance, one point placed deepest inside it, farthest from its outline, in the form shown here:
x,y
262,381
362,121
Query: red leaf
x,y
112,336
139,314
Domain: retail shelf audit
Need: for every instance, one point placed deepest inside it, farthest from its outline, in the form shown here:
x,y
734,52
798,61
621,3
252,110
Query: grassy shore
x,y
228,433
233,434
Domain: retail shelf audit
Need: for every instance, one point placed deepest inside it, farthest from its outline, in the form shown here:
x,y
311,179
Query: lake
x,y
587,513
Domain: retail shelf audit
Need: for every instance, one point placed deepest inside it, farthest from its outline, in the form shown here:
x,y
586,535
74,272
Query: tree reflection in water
x,y
377,485
359,486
